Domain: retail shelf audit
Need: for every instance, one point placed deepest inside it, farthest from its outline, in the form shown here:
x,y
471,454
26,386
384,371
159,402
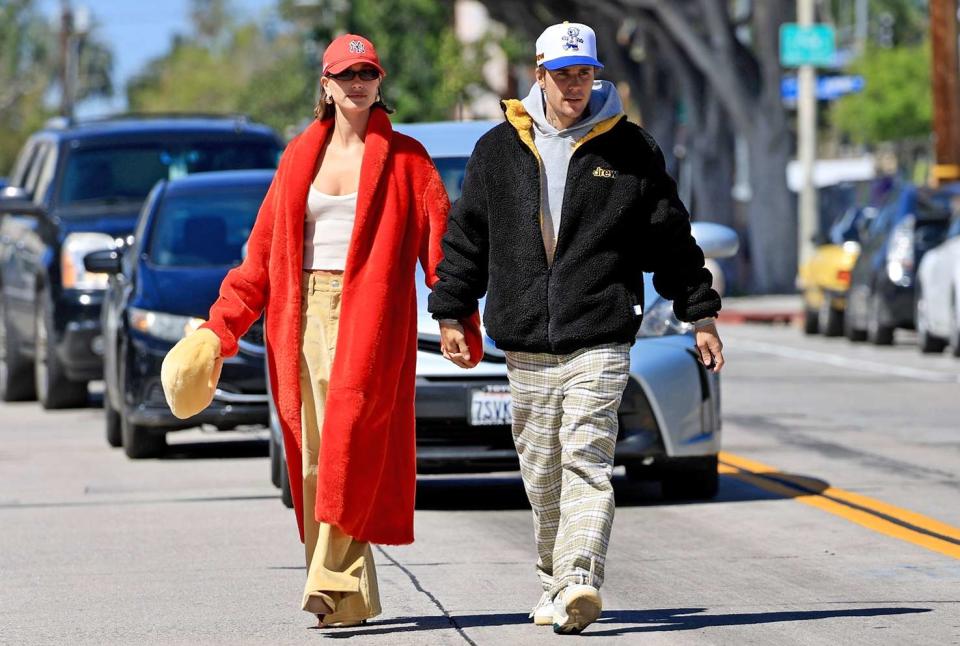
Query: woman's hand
x,y
190,373
454,343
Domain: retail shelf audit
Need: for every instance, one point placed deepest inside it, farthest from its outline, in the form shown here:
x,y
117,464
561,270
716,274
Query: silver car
x,y
670,413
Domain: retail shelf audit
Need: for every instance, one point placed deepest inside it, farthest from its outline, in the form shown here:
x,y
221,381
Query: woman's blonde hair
x,y
325,108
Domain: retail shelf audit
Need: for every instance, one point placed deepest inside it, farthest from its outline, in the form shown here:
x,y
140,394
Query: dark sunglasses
x,y
365,74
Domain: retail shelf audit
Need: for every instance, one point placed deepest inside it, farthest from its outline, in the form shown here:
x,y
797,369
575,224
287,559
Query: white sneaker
x,y
575,608
542,613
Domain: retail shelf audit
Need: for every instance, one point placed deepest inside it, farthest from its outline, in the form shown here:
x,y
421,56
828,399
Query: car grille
x,y
254,335
456,432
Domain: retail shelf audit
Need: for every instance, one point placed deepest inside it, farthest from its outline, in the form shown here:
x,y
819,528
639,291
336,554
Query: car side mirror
x,y
14,199
716,240
105,261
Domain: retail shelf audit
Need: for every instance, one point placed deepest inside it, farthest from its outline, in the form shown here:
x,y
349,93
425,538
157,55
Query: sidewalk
x,y
773,308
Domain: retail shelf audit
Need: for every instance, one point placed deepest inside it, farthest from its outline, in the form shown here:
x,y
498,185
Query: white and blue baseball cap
x,y
569,43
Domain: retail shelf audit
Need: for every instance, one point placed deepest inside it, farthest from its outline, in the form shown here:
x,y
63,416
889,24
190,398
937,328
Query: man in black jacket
x,y
563,208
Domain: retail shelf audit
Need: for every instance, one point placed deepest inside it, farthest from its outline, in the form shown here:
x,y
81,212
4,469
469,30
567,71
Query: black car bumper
x,y
80,343
241,397
897,306
448,441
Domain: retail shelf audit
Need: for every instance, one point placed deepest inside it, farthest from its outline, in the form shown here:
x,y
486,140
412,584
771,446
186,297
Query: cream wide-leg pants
x,y
341,574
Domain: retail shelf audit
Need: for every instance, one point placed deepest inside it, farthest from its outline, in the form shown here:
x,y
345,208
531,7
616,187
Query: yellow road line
x,y
862,510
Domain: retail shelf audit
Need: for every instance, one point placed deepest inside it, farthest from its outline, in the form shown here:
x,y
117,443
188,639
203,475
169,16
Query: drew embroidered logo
x,y
608,173
572,40
356,47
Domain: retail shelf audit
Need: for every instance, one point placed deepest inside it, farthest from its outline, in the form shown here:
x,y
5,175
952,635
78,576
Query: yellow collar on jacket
x,y
518,117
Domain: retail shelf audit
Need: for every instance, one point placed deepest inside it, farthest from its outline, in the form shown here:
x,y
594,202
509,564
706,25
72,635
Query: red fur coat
x,y
367,466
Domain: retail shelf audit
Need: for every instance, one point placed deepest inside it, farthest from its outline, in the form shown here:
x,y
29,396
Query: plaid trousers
x,y
565,430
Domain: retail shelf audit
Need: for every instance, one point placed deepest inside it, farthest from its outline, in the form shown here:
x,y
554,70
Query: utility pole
x,y
67,78
946,90
806,142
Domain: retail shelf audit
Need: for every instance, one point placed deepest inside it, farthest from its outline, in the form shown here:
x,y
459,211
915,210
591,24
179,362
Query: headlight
x,y
75,247
661,321
900,258
168,327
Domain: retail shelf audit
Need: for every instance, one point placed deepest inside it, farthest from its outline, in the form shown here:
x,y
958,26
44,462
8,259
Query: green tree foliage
x,y
26,67
896,103
228,68
270,71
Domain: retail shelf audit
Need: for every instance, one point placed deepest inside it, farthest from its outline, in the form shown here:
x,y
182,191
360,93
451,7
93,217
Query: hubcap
x,y
41,355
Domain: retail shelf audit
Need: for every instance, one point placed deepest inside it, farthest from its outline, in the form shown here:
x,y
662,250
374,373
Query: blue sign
x,y
829,88
813,45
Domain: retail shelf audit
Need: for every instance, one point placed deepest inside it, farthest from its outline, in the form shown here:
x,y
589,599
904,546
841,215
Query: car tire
x,y
141,442
113,422
877,333
698,480
811,321
54,390
830,319
849,330
276,461
286,496
16,371
927,342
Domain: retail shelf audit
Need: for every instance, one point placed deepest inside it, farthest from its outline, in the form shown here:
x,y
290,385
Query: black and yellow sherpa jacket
x,y
621,217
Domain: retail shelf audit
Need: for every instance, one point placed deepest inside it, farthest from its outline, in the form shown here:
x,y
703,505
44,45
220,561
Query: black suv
x,y
77,188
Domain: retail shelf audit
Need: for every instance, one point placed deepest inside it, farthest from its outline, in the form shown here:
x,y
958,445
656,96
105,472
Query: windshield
x,y
204,230
128,172
452,170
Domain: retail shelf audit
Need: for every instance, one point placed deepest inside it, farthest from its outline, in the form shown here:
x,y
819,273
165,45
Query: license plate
x,y
490,406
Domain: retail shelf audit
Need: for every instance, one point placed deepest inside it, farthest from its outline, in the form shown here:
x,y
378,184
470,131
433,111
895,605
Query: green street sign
x,y
813,45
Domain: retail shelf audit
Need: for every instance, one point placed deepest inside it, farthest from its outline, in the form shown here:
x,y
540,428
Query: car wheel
x,y
849,328
112,416
141,441
286,496
54,390
698,480
276,461
16,371
811,321
877,333
830,319
927,342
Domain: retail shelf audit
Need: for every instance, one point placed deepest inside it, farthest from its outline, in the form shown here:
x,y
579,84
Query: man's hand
x,y
454,344
710,347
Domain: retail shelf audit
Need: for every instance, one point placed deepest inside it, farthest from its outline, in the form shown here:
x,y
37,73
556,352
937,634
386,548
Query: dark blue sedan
x,y
190,233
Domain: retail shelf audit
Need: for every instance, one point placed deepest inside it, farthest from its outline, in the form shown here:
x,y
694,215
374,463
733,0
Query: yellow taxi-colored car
x,y
824,281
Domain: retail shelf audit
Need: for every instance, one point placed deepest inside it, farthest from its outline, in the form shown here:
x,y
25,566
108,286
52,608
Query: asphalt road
x,y
837,522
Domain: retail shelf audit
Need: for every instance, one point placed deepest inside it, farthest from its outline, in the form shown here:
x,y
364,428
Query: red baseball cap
x,y
348,50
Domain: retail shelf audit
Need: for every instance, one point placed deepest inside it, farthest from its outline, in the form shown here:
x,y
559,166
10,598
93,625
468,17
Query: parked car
x,y
191,231
825,278
938,291
882,285
670,413
77,188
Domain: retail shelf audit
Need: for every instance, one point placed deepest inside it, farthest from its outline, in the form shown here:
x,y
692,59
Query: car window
x,y
47,173
128,172
22,166
452,170
204,230
36,165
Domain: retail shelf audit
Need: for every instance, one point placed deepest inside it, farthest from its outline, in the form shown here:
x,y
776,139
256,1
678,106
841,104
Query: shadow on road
x,y
218,449
616,622
505,491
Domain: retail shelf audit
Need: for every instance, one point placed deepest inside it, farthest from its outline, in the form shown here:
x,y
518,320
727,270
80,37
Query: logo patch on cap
x,y
356,47
572,39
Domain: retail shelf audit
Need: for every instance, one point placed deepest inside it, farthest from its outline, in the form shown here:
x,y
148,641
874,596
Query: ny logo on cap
x,y
356,47
572,39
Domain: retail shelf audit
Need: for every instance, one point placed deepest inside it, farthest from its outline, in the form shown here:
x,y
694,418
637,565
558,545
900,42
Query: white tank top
x,y
327,228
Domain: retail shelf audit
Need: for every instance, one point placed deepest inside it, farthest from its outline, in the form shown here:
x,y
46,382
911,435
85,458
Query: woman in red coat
x,y
331,260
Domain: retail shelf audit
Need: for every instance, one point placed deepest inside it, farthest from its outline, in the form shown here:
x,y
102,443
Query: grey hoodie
x,y
556,147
